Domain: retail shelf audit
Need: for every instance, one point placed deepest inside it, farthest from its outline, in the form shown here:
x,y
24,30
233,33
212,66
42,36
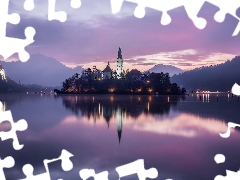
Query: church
x,y
108,73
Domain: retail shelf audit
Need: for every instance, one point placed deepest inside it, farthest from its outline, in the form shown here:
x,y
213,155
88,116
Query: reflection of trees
x,y
108,105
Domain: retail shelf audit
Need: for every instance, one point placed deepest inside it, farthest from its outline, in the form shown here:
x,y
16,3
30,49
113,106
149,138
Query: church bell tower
x,y
119,64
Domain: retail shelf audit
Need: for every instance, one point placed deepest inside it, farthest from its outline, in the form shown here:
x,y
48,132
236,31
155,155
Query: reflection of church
x,y
119,118
108,112
117,109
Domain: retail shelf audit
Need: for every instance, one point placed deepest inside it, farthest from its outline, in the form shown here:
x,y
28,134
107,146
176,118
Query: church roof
x,y
107,69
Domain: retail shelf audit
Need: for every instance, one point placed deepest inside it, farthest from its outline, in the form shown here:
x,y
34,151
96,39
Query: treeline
x,y
10,86
213,78
154,83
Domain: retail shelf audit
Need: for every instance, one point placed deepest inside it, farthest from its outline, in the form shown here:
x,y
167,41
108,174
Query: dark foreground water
x,y
179,136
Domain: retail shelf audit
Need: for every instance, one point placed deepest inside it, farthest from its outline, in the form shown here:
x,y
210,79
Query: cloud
x,y
92,34
146,64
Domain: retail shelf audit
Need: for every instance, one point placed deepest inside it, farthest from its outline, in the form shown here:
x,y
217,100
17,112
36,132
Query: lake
x,y
177,135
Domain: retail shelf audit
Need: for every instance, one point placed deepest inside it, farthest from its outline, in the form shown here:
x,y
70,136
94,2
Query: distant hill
x,y
213,78
10,86
40,69
165,69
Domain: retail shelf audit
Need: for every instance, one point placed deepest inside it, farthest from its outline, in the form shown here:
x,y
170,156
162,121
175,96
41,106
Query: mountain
x,y
165,69
40,69
213,78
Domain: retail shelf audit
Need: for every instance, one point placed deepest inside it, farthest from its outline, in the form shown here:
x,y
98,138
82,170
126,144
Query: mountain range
x,y
165,69
40,69
211,78
47,71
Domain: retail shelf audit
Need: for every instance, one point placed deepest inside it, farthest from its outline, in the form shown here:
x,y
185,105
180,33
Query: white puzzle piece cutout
x,y
8,45
137,167
67,165
7,162
236,89
20,125
87,173
192,8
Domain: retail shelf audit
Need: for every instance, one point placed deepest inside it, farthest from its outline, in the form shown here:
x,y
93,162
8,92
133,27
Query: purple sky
x,y
92,34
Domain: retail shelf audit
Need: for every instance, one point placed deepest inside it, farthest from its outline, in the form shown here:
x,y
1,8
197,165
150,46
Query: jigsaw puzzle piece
x,y
7,162
29,5
236,89
67,165
230,175
230,125
65,156
116,5
219,158
87,173
9,46
193,8
61,15
28,171
20,125
5,17
227,7
159,5
137,167
76,4
53,15
12,45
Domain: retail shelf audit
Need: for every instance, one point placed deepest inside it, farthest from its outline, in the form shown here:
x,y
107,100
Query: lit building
x,y
2,73
119,64
107,72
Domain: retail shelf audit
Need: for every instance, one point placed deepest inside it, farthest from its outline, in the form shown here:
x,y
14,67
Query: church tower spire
x,y
119,63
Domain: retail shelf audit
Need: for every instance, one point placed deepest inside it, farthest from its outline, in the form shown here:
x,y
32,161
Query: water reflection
x,y
107,107
117,107
159,114
179,136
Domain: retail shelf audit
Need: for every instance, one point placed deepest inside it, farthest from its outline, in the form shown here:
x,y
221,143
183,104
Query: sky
x,y
92,34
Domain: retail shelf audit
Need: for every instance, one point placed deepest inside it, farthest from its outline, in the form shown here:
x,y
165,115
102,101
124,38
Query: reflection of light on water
x,y
139,98
93,98
168,99
148,106
150,98
111,98
185,125
228,97
99,108
119,117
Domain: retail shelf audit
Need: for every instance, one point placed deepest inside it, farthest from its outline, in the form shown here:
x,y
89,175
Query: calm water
x,y
178,136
